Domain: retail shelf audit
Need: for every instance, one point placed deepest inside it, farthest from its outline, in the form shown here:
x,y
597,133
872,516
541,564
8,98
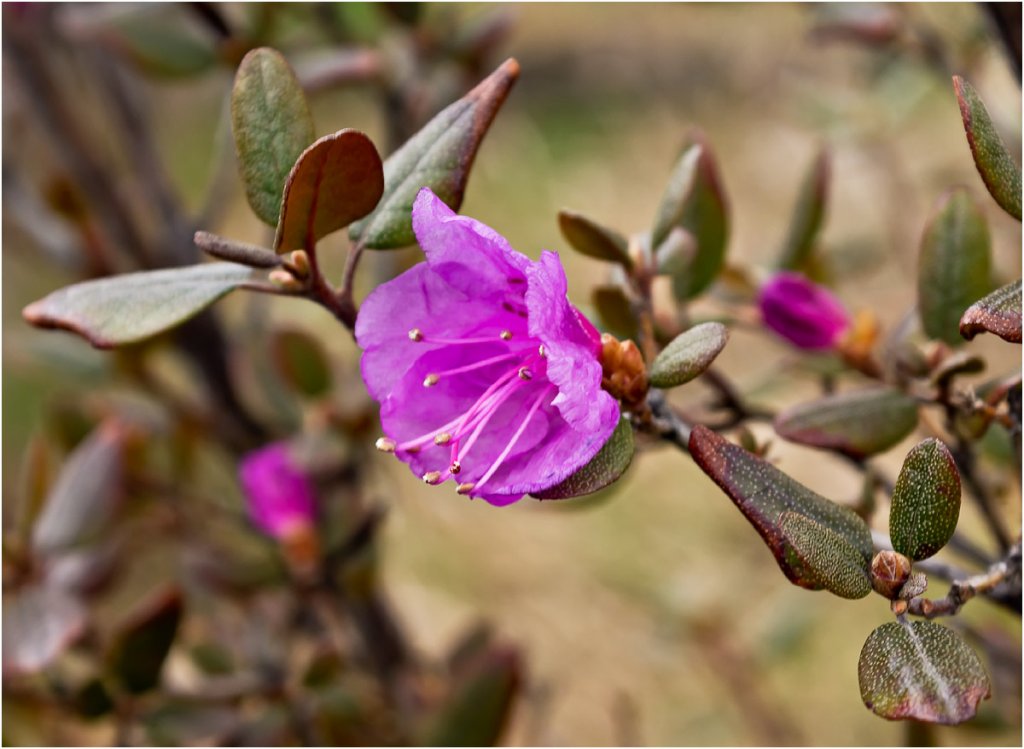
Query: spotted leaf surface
x,y
999,313
921,671
689,354
836,563
858,424
763,494
925,501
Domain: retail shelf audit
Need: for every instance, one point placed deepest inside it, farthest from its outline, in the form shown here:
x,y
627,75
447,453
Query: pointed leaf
x,y
39,623
335,181
272,126
838,566
922,671
763,493
615,311
141,647
301,362
997,168
954,265
688,355
858,423
605,468
118,310
808,216
695,201
86,493
593,240
439,156
925,501
999,313
674,257
479,709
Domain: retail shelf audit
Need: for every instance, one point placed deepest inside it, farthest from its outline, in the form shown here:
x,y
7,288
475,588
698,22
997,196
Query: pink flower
x,y
485,373
805,314
281,499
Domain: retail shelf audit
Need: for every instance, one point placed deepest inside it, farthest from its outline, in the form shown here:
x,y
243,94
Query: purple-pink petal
x,y
279,495
805,314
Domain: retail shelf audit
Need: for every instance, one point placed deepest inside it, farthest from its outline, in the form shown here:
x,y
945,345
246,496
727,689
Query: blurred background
x,y
650,613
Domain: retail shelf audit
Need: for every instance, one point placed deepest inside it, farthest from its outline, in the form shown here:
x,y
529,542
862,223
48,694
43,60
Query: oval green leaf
x,y
999,313
763,493
838,565
688,355
605,468
997,168
86,493
615,311
439,156
301,362
921,671
925,501
808,215
694,200
141,645
335,181
272,126
118,310
593,240
954,265
164,47
858,424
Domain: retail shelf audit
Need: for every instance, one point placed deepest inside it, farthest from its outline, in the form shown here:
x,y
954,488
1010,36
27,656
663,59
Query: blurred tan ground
x,y
655,615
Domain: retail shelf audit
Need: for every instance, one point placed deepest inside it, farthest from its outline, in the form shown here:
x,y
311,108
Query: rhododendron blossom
x,y
805,314
485,372
279,495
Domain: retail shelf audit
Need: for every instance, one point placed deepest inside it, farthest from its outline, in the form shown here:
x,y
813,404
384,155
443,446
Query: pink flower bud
x,y
805,314
280,496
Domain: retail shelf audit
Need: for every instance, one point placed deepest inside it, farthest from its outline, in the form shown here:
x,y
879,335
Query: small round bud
x,y
284,279
299,260
890,570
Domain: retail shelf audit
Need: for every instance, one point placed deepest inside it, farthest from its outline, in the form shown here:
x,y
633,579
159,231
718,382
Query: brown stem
x,y
347,310
1001,582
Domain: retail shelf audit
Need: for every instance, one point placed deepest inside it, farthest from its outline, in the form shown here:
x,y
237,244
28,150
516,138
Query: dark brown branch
x,y
1001,583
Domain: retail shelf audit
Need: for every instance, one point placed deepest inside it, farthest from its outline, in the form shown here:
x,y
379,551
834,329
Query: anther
x,y
442,439
416,335
506,335
431,379
432,477
385,445
525,373
541,351
465,488
455,467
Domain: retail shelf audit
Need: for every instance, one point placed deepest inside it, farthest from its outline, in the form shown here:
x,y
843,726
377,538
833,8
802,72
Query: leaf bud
x,y
889,572
625,374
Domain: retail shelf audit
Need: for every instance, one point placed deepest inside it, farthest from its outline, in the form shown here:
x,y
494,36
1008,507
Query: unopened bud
x,y
890,570
284,279
624,371
299,260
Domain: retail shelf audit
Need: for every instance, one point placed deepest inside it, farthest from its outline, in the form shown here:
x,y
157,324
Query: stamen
x,y
385,445
455,467
432,477
416,335
542,351
505,335
457,341
525,373
515,437
431,379
442,439
465,488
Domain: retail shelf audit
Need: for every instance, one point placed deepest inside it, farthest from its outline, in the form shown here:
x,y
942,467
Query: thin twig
x,y
1001,582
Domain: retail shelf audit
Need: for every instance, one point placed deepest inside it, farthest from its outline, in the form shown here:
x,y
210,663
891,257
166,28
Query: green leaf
x,y
118,310
925,501
301,362
836,563
615,311
763,494
478,710
999,313
86,494
921,671
143,642
163,47
998,170
593,240
808,215
39,622
335,181
439,156
953,267
695,201
858,423
688,355
605,468
272,126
